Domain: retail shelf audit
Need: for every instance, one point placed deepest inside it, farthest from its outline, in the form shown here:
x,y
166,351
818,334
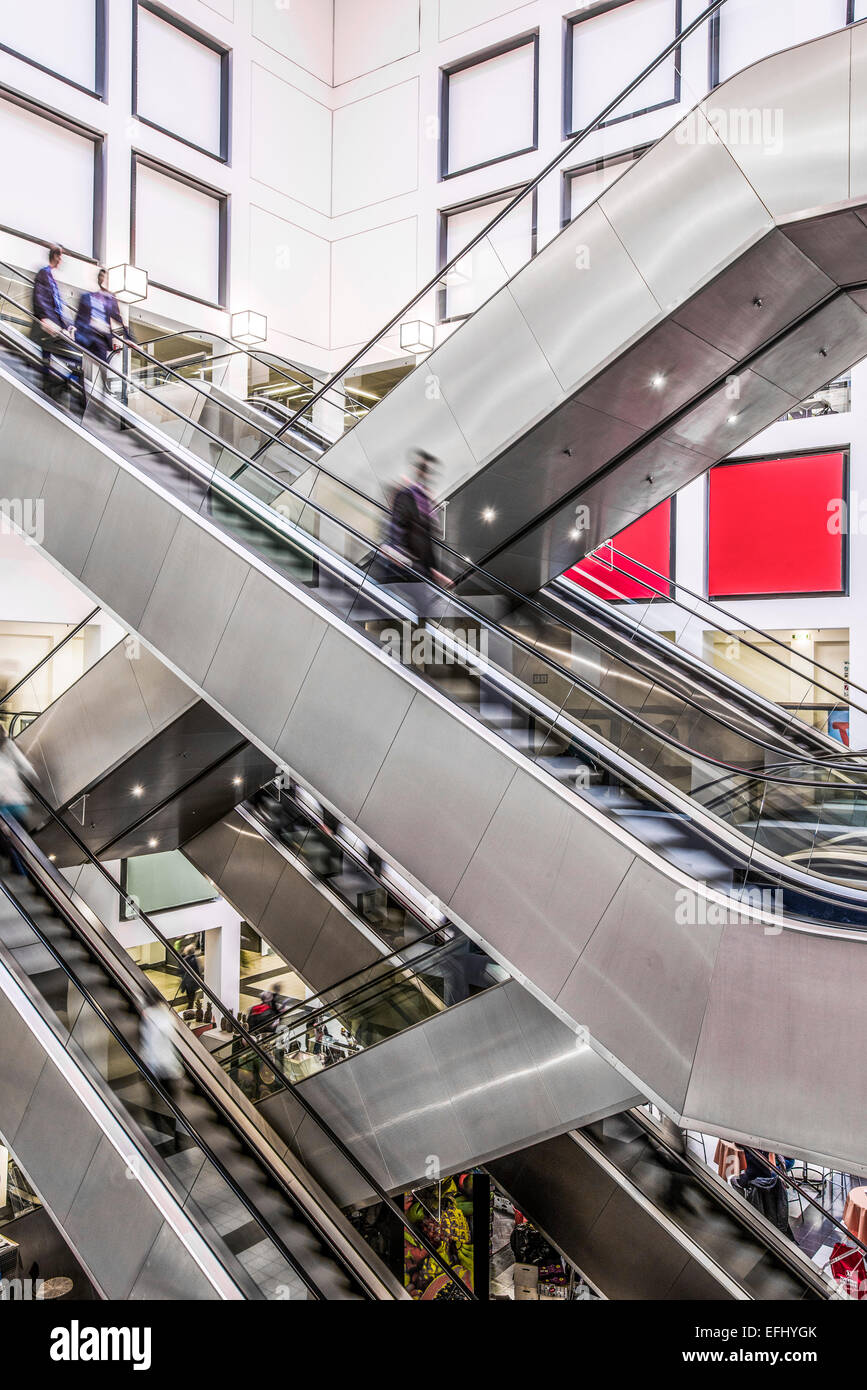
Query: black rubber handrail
x,y
250,1041
513,203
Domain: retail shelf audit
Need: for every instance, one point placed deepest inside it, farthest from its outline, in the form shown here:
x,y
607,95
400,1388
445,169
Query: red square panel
x,y
649,541
771,527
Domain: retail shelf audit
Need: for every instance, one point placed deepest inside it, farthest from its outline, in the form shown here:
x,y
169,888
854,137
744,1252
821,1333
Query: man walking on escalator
x,y
56,329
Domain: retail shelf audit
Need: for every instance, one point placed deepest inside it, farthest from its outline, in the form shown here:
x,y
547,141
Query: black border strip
x,y
497,51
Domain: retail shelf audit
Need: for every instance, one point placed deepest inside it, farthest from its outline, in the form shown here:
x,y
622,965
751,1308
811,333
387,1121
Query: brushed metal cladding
x,y
619,1246
691,211
858,109
75,493
627,984
787,124
494,377
725,312
261,661
191,603
583,298
23,1061
142,534
170,1273
344,687
465,1085
813,991
311,933
542,912
112,711
421,408
56,1128
827,341
834,241
105,1203
459,772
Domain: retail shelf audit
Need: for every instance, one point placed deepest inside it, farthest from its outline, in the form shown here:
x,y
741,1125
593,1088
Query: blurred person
x,y
262,1017
15,795
191,976
98,312
159,1052
49,309
411,528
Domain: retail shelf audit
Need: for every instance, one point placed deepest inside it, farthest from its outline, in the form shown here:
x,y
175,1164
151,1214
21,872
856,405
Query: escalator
x,y
265,1229
177,528
643,1220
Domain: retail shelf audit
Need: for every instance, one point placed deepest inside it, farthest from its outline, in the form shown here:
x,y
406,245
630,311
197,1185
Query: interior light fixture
x,y
416,336
153,842
128,283
248,328
575,533
138,789
657,381
732,420
236,781
488,514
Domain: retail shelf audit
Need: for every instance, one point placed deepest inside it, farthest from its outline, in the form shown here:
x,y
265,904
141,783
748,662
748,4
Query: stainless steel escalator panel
x,y
457,1089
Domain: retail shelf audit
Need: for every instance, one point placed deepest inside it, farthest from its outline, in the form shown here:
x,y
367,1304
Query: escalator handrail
x,y
48,889
741,622
713,9
633,770
49,656
250,1040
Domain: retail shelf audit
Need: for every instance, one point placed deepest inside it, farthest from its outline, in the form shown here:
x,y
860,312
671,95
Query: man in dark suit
x,y
49,309
98,314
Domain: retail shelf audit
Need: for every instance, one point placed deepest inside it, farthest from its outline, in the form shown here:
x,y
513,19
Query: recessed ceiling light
x,y
236,781
575,533
138,789
488,514
658,381
53,858
732,420
153,842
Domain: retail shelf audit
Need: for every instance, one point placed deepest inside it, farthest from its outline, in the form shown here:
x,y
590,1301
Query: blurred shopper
x,y
262,1017
15,796
98,313
191,977
159,1053
411,531
56,335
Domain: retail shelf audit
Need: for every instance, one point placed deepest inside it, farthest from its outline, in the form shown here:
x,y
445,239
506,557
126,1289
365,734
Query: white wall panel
x,y
224,7
749,31
302,30
177,234
363,46
456,16
611,48
289,272
494,261
179,82
59,34
491,109
860,9
376,148
57,203
290,140
372,275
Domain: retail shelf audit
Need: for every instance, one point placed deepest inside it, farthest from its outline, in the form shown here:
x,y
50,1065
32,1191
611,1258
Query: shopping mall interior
x,y
433,613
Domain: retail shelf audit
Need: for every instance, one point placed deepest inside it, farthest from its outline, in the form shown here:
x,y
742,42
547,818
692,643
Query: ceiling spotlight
x,y
488,514
575,533
732,420
53,858
153,842
658,381
236,781
138,789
